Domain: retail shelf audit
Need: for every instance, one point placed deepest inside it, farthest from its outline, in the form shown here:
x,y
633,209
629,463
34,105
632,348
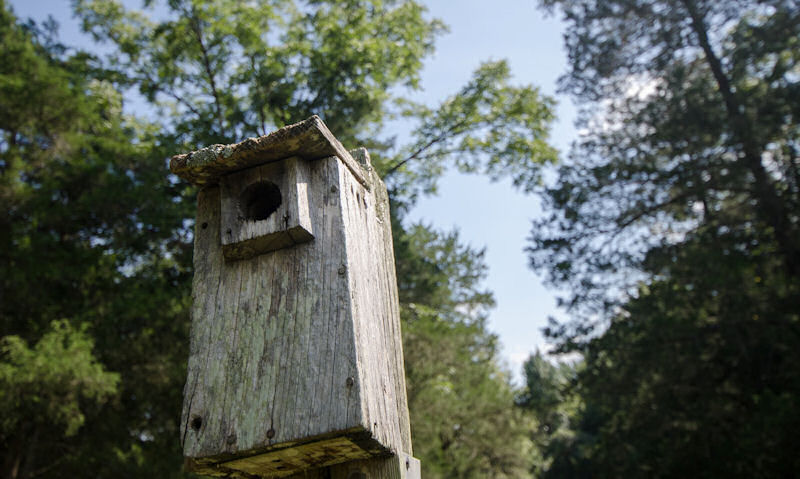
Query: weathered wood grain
x,y
373,292
309,139
400,466
296,353
243,235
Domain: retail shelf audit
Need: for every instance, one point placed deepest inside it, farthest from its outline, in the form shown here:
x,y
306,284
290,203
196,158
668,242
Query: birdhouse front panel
x,y
265,208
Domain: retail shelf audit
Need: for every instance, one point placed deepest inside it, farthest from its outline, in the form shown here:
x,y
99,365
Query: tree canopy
x,y
690,125
98,233
674,226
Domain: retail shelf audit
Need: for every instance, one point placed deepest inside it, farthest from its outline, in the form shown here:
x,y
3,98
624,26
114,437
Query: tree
x,y
698,374
97,233
678,98
223,70
463,420
89,231
44,390
565,429
675,226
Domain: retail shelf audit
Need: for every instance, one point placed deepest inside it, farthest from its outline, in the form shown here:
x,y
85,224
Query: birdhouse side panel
x,y
272,356
374,296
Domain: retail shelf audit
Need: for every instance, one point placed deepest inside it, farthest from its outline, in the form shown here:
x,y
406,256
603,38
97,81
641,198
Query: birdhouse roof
x,y
309,139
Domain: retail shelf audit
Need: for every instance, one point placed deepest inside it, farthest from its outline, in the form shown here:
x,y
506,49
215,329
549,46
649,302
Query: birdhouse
x,y
296,359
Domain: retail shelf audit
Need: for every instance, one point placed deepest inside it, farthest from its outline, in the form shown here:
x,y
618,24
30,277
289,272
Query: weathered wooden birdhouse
x,y
296,360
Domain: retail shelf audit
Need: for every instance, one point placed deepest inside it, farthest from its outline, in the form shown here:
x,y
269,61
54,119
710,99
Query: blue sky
x,y
491,215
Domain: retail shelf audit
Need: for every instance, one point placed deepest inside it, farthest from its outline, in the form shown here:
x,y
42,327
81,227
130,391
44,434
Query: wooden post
x,y
296,363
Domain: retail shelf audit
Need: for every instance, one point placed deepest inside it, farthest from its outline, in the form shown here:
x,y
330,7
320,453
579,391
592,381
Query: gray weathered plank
x,y
296,359
309,139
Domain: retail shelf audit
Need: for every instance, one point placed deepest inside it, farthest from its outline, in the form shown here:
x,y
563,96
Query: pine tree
x,y
675,228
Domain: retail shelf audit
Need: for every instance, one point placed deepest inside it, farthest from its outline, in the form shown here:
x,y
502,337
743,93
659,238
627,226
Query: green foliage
x,y
675,228
562,435
489,127
463,420
435,269
43,387
92,231
698,374
676,146
226,69
96,231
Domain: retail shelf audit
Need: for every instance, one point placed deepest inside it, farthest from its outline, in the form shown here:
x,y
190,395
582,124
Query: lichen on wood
x,y
309,139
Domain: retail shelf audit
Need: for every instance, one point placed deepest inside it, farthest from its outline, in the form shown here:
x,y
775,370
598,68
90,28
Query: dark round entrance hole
x,y
259,200
197,423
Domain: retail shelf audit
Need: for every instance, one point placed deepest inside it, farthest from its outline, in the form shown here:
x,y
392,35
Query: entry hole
x,y
197,423
204,225
259,200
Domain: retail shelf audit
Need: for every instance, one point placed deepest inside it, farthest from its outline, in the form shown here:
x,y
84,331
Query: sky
x,y
488,215
494,215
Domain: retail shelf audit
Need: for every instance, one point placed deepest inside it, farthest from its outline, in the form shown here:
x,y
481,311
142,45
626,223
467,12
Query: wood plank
x,y
265,208
296,359
309,139
273,339
373,287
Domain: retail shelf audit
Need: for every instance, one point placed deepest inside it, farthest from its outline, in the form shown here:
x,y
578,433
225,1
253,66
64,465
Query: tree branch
x,y
773,208
195,25
427,145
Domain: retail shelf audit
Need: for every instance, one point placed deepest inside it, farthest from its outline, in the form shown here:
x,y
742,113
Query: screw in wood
x,y
342,270
271,433
350,381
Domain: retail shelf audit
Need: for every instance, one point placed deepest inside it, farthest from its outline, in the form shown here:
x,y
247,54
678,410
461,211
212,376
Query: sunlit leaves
x,y
489,126
46,384
232,69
